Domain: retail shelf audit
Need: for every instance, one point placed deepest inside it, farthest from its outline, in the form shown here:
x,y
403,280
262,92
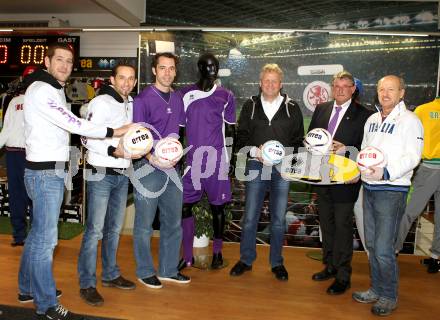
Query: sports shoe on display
x,y
151,282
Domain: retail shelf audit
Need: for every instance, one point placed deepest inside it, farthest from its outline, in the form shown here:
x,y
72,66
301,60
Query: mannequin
x,y
217,106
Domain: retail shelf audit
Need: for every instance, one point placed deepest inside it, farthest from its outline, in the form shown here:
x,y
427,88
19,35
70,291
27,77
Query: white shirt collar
x,y
344,106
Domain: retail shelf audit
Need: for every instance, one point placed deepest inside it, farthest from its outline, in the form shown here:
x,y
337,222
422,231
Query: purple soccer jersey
x,y
206,114
207,160
163,118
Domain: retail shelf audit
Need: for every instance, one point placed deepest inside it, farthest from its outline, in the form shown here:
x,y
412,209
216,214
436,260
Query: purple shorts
x,y
207,172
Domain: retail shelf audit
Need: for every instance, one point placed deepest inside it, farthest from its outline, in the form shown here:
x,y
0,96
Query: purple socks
x,y
217,245
188,238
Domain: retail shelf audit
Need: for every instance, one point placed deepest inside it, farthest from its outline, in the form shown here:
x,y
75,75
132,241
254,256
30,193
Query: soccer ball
x,y
137,141
318,141
370,157
168,150
272,152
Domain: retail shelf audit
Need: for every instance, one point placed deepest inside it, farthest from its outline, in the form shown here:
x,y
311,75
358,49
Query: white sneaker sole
x,y
149,285
174,280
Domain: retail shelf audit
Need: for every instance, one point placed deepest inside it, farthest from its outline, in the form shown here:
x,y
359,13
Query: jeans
x,y
106,203
46,190
18,197
157,191
268,178
383,212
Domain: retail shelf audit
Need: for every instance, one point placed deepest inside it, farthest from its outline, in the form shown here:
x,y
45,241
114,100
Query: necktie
x,y
334,120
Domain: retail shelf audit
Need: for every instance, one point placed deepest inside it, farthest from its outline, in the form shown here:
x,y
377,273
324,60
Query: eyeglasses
x,y
343,87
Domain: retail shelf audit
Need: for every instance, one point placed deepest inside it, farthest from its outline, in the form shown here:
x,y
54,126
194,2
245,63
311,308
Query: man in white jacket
x,y
12,135
107,186
47,126
398,133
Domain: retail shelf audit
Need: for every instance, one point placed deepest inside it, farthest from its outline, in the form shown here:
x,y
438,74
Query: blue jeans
x,y
268,178
383,211
157,191
106,203
18,197
46,190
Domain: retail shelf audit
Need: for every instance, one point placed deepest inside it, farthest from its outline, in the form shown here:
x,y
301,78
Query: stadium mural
x,y
308,60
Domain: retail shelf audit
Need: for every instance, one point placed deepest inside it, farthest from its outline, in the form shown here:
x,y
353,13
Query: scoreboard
x,y
18,52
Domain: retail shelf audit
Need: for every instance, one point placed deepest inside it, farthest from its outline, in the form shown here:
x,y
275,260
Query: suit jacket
x,y
349,132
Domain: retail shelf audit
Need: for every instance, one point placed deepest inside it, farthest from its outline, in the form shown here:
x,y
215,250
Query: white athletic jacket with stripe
x,y
47,121
400,138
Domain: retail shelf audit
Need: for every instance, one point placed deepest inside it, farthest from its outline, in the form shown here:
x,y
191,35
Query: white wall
x,y
108,44
75,19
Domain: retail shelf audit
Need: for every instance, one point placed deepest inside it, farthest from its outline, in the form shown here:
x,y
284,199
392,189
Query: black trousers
x,y
336,221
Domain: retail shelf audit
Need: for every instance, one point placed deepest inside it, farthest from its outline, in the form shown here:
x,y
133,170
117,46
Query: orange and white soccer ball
x,y
168,150
318,141
137,141
370,157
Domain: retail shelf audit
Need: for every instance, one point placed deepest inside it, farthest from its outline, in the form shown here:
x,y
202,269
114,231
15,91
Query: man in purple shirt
x,y
210,114
158,186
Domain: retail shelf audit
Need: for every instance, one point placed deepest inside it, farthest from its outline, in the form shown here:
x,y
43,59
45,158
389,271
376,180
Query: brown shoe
x,y
91,296
119,283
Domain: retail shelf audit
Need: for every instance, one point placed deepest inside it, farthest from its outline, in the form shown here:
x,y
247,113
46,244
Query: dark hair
x,y
122,64
64,46
166,55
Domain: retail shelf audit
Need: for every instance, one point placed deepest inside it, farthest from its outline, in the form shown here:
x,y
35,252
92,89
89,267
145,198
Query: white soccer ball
x,y
318,141
272,152
370,157
168,150
137,141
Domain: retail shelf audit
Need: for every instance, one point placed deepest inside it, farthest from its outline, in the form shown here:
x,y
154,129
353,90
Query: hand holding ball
x,y
272,152
137,141
318,141
370,157
168,151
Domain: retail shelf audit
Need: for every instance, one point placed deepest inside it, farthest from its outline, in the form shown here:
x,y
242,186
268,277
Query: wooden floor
x,y
216,295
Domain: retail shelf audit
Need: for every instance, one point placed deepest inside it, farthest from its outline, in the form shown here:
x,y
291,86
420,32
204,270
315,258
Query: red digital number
x,y
39,54
25,54
3,53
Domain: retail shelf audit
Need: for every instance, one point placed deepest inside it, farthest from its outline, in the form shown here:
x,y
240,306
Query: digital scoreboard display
x,y
18,52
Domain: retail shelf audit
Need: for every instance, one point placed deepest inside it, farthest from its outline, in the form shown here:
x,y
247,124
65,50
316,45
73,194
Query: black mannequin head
x,y
208,66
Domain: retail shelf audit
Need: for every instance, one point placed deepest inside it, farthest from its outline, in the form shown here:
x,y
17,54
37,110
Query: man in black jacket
x,y
344,119
269,116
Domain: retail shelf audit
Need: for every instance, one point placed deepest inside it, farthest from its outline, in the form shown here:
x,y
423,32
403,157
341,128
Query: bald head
x,y
393,78
390,91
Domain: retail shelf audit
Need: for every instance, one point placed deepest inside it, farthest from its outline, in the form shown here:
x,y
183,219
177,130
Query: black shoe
x,y
91,296
183,264
433,265
119,283
239,269
26,298
338,287
151,282
217,261
60,313
178,278
280,273
325,274
17,243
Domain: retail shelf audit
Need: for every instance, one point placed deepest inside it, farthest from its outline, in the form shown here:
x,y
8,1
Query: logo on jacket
x,y
385,127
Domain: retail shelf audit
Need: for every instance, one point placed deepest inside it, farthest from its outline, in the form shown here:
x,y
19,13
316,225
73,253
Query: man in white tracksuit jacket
x,y
47,126
398,133
107,187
